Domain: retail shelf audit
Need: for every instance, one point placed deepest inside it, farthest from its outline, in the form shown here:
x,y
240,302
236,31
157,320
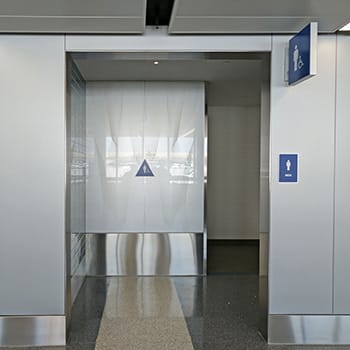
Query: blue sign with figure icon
x,y
302,54
288,168
144,170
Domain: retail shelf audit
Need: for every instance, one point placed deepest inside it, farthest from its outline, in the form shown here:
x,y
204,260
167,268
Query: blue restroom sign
x,y
145,169
302,54
288,168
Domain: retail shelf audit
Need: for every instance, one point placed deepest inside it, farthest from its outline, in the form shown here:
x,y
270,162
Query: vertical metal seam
x,y
334,169
205,186
271,159
66,195
144,116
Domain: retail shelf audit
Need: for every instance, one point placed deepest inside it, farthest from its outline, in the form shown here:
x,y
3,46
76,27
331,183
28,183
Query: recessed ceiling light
x,y
345,28
156,62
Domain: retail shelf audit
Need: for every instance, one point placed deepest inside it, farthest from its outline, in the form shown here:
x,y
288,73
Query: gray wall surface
x,y
32,177
233,172
342,181
264,200
301,226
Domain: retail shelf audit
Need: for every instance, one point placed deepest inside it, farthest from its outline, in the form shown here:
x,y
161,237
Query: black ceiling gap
x,y
159,12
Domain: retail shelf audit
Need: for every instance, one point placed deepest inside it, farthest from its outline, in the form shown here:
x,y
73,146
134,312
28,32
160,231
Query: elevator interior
x,y
235,152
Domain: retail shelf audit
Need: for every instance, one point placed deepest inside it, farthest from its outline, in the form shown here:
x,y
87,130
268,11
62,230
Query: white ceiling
x,y
73,16
256,16
188,16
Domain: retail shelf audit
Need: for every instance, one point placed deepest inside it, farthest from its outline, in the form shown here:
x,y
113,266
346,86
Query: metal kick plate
x,y
309,329
144,254
32,331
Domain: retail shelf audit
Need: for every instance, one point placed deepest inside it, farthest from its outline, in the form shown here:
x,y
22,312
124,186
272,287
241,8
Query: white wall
x,y
342,181
158,40
301,219
32,177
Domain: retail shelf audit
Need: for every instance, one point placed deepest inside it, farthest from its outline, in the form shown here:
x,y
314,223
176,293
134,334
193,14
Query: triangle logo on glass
x,y
145,169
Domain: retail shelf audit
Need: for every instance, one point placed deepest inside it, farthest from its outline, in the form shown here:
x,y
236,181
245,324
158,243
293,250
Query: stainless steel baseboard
x,y
309,329
263,306
145,254
32,331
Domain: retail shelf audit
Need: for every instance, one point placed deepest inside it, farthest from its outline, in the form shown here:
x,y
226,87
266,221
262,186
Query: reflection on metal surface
x,y
144,254
32,331
263,305
75,185
309,329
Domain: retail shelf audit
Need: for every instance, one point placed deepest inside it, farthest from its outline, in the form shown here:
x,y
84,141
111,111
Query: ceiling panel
x,y
230,82
73,16
256,16
188,70
188,16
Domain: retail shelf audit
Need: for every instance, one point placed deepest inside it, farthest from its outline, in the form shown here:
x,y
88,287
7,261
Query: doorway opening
x,y
237,205
232,174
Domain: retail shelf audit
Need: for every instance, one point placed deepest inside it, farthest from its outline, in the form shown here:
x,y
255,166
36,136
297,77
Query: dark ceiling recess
x,y
159,12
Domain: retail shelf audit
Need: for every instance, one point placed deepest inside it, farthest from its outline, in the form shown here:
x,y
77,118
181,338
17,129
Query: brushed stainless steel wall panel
x,y
307,329
32,331
263,305
302,214
144,254
342,185
32,179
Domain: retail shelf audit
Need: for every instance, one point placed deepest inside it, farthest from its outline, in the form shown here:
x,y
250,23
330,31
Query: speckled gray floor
x,y
221,312
86,316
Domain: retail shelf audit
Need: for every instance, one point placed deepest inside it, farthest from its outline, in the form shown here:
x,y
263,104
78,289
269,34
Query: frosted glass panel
x,y
162,123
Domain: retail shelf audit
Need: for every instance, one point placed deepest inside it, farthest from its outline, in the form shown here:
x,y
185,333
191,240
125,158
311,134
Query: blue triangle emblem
x,y
145,169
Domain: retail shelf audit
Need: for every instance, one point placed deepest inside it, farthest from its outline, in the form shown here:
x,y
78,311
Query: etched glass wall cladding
x,y
114,197
77,181
162,123
174,139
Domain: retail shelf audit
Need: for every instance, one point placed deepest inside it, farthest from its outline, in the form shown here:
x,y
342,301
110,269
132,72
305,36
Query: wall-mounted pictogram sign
x,y
145,169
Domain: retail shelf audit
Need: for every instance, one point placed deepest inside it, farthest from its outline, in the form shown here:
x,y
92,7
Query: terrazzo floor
x,y
216,312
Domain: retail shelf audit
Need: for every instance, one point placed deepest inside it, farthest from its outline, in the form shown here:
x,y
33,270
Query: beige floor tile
x,y
134,297
145,346
145,314
143,330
